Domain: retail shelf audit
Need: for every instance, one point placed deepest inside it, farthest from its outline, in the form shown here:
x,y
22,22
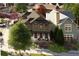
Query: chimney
x,y
57,14
57,17
58,8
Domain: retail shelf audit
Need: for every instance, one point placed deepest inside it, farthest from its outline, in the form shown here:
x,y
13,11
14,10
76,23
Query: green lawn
x,y
34,54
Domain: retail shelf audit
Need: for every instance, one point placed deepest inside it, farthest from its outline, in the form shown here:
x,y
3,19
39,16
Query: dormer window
x,y
30,19
68,28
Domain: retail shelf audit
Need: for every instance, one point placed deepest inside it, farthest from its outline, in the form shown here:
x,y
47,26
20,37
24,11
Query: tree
x,y
55,32
21,7
51,35
74,8
19,36
58,36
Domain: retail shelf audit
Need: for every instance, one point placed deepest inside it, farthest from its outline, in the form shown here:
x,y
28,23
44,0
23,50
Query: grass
x,y
57,48
4,53
34,54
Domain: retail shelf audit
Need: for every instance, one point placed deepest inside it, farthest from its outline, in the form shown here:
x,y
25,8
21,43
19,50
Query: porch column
x,y
38,35
48,36
43,36
33,36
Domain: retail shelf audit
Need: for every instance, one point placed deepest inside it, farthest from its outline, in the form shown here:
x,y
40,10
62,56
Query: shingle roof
x,y
68,13
41,20
26,14
9,15
49,6
2,15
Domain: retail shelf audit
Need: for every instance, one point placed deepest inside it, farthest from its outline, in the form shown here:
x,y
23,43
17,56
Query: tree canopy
x,y
21,7
19,36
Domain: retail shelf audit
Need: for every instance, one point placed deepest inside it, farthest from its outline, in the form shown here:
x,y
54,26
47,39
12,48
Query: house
x,y
9,18
65,21
38,23
40,29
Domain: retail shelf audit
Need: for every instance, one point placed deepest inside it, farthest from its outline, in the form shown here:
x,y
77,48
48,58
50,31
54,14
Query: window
x,y
68,28
68,37
46,35
30,19
41,26
35,35
41,35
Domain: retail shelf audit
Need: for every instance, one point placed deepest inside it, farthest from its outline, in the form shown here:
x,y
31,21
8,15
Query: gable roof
x,y
49,6
9,15
40,20
68,14
63,21
33,14
64,15
26,14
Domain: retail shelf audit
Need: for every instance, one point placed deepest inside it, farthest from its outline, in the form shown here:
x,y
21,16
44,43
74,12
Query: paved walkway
x,y
69,53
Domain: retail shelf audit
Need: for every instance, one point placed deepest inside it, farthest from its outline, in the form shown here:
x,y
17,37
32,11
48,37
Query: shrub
x,y
4,53
19,36
56,48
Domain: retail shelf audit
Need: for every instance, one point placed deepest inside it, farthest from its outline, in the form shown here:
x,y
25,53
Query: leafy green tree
x,y
21,7
19,36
